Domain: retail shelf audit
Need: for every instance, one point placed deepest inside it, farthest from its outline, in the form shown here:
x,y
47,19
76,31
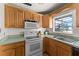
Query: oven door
x,y
33,48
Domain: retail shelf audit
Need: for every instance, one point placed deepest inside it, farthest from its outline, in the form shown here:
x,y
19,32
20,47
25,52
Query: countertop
x,y
17,38
74,44
11,39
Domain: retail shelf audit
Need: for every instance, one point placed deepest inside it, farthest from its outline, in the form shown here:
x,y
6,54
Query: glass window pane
x,y
63,24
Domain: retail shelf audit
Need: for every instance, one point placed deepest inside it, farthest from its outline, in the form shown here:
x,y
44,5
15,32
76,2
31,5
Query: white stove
x,y
34,46
33,43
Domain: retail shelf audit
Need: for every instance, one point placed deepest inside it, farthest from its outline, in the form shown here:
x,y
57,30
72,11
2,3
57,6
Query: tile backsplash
x,y
14,31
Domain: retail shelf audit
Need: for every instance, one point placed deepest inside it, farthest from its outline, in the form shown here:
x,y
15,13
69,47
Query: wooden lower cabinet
x,y
52,48
45,44
9,52
13,49
63,52
56,48
20,51
52,51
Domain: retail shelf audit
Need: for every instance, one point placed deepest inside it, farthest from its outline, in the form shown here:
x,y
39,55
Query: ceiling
x,y
43,8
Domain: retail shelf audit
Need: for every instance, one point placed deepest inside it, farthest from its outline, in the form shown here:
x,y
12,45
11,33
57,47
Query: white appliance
x,y
30,32
31,24
33,43
33,46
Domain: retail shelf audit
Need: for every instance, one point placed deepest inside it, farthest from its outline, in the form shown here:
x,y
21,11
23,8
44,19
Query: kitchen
x,y
39,29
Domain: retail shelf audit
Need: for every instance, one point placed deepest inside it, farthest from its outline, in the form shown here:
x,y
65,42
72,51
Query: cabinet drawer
x,y
7,46
12,45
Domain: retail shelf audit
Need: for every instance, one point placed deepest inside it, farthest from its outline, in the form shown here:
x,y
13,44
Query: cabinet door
x,y
9,16
20,51
45,44
52,48
63,49
9,52
49,46
27,15
63,52
35,17
19,18
14,18
45,21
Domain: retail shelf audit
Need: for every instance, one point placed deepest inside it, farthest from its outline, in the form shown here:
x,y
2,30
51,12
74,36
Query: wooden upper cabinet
x,y
19,18
9,16
27,15
31,16
45,21
34,16
14,18
38,18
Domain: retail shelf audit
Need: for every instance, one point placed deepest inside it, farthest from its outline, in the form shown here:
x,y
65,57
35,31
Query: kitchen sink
x,y
67,39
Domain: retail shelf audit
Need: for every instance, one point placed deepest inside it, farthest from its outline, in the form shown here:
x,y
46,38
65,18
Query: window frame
x,y
63,14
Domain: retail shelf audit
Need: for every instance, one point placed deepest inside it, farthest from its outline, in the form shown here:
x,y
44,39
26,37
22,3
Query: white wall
x,y
2,20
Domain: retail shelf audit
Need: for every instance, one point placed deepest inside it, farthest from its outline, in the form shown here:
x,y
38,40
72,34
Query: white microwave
x,y
31,24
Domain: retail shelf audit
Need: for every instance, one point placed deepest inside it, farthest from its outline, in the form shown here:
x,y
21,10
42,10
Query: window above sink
x,y
63,22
